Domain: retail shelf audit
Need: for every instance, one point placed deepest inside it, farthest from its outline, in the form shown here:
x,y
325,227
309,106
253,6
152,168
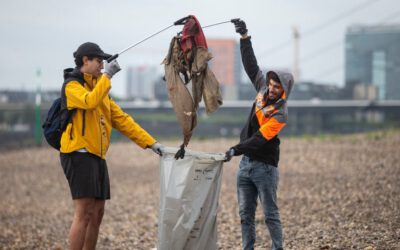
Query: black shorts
x,y
87,175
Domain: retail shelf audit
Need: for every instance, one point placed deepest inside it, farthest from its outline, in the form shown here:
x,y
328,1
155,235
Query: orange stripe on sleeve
x,y
271,128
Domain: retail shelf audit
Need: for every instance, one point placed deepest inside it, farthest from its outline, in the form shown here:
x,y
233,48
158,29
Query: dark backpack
x,y
58,118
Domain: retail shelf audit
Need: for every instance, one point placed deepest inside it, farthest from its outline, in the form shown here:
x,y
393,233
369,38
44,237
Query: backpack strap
x,y
66,115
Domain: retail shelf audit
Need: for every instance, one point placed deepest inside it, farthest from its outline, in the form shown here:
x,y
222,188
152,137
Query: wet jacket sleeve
x,y
267,131
125,124
250,63
81,98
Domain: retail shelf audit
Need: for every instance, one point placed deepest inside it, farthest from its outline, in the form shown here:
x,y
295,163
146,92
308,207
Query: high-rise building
x,y
373,58
226,65
140,82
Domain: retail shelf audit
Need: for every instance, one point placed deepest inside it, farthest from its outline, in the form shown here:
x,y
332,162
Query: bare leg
x,y
83,211
92,231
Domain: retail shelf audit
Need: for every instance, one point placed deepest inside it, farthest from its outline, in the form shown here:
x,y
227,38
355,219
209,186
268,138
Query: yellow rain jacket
x,y
96,114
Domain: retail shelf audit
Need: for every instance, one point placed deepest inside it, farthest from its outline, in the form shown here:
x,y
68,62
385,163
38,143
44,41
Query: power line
x,y
320,52
339,17
328,48
391,17
337,43
320,27
330,71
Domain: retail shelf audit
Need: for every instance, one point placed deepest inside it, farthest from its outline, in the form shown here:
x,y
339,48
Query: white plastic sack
x,y
189,200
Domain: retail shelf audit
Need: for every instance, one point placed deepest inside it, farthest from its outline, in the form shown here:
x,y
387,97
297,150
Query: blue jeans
x,y
257,179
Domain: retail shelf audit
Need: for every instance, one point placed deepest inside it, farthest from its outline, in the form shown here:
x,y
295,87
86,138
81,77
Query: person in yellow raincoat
x,y
86,139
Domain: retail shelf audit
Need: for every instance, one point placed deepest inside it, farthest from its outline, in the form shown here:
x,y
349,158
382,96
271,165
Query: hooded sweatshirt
x,y
96,114
259,137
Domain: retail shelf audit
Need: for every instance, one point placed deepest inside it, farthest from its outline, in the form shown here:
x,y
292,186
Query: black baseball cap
x,y
90,49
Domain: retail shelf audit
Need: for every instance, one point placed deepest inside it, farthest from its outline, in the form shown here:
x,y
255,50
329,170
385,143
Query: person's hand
x,y
229,154
157,148
240,27
111,68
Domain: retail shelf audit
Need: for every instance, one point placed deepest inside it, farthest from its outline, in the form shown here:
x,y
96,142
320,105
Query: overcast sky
x,y
42,34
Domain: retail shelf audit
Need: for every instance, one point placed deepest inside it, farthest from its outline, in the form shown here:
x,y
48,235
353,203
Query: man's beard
x,y
271,100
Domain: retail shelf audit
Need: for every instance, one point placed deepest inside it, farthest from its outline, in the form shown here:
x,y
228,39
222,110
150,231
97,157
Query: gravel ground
x,y
336,192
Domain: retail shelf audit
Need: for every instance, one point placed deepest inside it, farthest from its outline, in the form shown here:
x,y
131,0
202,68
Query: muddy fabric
x,y
204,82
178,94
188,56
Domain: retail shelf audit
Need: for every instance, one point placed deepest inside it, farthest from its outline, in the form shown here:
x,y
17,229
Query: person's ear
x,y
85,59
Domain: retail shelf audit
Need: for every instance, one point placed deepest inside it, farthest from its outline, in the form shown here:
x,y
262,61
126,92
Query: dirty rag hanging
x,y
195,50
178,94
188,56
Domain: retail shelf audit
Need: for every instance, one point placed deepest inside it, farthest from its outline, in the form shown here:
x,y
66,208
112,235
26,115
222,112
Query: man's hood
x,y
286,81
72,73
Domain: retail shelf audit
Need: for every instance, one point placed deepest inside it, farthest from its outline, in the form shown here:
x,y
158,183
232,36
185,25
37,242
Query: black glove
x,y
240,26
180,153
229,154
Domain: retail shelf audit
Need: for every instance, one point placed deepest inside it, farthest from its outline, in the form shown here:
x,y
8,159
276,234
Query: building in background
x,y
226,65
140,82
373,58
313,91
160,89
365,92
